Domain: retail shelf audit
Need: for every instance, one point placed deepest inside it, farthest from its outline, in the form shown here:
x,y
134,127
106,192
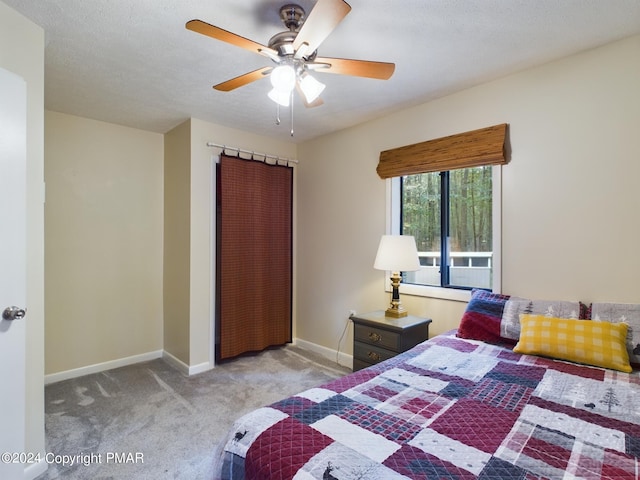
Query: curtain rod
x,y
253,154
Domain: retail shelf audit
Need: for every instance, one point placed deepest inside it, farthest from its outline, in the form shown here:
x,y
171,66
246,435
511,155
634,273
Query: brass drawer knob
x,y
374,337
374,356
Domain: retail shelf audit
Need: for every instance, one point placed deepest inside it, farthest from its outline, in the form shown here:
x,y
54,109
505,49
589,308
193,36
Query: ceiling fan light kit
x,y
295,53
281,97
283,77
311,88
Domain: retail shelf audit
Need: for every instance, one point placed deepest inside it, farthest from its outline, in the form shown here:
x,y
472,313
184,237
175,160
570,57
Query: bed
x,y
462,406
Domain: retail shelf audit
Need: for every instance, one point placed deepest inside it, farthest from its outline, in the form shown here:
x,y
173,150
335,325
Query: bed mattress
x,y
450,408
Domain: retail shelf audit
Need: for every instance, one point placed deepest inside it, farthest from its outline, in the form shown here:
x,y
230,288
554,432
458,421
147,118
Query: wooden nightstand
x,y
377,338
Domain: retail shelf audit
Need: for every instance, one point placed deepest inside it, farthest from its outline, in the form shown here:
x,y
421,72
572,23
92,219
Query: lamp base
x,y
396,312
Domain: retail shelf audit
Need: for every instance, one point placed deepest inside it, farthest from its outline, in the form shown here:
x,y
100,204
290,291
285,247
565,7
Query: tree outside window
x,y
450,216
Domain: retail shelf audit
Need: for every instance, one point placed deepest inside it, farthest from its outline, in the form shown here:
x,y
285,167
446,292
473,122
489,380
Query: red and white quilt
x,y
450,408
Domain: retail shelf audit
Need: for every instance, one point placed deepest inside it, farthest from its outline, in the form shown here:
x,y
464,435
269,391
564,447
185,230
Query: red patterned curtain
x,y
254,256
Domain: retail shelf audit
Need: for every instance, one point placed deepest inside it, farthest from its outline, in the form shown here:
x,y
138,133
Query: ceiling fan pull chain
x,y
277,114
291,108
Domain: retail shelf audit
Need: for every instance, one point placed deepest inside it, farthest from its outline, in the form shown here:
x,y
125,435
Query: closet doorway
x,y
254,256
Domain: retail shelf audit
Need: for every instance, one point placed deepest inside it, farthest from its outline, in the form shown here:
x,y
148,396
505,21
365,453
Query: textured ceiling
x,y
133,63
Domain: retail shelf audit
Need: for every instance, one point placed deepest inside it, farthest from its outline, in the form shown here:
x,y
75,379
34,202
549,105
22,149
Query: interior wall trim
x,y
123,362
182,367
344,359
101,367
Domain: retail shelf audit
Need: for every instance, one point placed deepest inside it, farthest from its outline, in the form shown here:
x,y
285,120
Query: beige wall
x,y
177,206
22,52
564,118
104,240
570,222
202,221
128,240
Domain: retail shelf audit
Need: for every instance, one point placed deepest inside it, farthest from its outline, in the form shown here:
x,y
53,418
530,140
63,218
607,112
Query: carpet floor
x,y
149,421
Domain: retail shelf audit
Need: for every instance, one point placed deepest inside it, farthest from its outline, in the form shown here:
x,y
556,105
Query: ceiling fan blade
x,y
220,34
357,68
243,79
324,17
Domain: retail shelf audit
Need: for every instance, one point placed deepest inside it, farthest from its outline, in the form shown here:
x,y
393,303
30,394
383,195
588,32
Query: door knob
x,y
13,313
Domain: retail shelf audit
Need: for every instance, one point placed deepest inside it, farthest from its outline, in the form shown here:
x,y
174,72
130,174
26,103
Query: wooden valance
x,y
486,146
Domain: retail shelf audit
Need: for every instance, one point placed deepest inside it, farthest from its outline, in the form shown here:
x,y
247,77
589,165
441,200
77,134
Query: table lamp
x,y
397,253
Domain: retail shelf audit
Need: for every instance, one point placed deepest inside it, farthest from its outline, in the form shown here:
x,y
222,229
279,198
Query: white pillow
x,y
510,324
628,313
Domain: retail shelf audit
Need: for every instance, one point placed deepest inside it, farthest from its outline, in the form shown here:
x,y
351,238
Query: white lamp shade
x,y
280,97
311,88
397,253
283,78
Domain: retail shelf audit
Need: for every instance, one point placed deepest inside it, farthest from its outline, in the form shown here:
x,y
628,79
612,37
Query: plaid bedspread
x,y
448,409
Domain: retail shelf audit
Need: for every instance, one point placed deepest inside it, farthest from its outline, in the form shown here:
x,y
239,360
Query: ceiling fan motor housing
x,y
292,16
283,43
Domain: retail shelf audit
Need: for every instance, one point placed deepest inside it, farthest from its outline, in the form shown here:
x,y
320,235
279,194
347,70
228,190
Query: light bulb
x,y
283,78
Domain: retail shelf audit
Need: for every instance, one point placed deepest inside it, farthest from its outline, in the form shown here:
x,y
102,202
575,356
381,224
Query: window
x,y
454,217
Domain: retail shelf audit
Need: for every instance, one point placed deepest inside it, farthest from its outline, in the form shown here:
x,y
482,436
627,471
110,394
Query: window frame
x,y
394,202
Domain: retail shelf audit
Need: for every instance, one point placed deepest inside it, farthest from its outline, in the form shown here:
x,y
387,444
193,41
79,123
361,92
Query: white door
x,y
13,157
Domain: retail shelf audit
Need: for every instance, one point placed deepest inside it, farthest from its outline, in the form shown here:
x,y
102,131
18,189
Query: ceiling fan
x,y
295,53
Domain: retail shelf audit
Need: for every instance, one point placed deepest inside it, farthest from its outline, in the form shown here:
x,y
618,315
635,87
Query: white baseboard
x,y
178,364
101,367
344,359
202,367
35,469
175,362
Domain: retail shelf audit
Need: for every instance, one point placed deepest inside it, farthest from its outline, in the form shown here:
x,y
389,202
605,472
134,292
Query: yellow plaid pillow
x,y
601,344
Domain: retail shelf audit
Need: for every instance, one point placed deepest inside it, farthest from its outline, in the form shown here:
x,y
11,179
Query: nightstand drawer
x,y
377,336
370,353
